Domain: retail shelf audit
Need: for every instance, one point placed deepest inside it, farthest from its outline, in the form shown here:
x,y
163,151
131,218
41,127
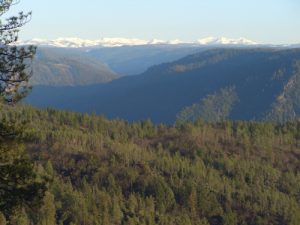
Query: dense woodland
x,y
105,172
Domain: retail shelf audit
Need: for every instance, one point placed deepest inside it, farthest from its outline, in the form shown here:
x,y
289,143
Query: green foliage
x,y
2,219
114,172
287,105
19,217
213,108
14,61
47,211
20,184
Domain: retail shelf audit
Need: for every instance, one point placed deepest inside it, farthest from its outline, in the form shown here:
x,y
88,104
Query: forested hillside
x,y
112,172
67,67
265,82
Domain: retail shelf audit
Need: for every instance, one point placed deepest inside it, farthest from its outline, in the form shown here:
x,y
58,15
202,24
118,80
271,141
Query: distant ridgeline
x,y
61,67
217,84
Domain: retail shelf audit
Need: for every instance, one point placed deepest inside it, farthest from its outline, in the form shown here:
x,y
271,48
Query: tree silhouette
x,y
19,182
15,61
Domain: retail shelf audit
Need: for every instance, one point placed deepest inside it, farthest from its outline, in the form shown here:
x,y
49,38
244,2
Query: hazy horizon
x,y
270,21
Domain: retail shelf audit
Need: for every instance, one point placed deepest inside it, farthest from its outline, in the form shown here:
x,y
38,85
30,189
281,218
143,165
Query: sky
x,y
263,21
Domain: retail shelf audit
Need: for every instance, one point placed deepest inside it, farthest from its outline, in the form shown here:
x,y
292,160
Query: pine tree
x,y
117,213
192,202
14,61
47,212
18,180
19,217
18,183
2,219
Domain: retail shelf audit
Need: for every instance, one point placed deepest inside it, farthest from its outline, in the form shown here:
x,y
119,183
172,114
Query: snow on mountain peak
x,y
225,41
73,42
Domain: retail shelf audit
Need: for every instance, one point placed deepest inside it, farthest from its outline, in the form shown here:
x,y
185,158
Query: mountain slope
x,y
259,76
132,60
287,104
66,67
134,56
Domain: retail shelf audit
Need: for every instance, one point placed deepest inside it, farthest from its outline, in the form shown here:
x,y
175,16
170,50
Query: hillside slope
x,y
132,60
61,67
112,172
259,77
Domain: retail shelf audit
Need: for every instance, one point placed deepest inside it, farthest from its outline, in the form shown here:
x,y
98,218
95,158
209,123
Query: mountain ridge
x,y
258,76
73,42
55,67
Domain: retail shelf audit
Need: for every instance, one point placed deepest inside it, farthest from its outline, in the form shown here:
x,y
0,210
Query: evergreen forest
x,y
97,171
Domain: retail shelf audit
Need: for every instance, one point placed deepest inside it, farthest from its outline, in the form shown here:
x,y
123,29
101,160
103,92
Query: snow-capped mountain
x,y
117,42
225,41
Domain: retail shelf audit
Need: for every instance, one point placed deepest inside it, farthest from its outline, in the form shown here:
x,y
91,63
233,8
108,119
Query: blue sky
x,y
265,21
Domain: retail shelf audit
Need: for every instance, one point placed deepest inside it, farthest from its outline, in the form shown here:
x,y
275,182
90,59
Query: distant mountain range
x,y
117,42
85,62
133,60
76,66
263,83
